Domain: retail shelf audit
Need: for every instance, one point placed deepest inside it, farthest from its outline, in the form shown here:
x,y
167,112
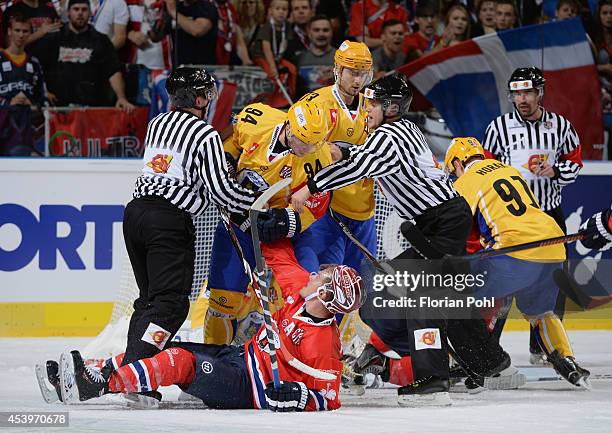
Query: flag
x,y
467,82
220,110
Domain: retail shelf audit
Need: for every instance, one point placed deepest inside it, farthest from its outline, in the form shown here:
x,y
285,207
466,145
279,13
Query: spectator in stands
x,y
43,17
603,44
301,13
425,38
505,15
196,31
486,18
80,63
272,39
21,89
231,47
528,11
336,11
390,55
252,14
566,9
110,17
456,27
377,12
316,64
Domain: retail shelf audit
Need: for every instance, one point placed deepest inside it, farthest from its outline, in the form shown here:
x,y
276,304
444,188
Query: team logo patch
x,y
156,335
427,338
350,132
548,124
535,161
207,367
160,163
285,172
368,93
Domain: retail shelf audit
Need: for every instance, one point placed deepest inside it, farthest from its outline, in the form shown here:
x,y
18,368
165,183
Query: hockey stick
x,y
283,91
382,267
263,274
423,245
294,362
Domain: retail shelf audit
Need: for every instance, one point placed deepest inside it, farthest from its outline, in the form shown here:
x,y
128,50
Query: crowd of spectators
x,y
100,52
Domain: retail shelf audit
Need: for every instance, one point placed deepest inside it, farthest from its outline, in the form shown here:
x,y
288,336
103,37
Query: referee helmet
x,y
186,83
527,78
393,91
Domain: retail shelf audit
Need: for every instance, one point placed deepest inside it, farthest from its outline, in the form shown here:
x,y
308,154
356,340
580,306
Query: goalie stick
x,y
263,274
253,281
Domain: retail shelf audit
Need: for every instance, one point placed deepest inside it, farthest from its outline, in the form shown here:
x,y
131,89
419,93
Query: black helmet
x,y
526,78
185,83
392,89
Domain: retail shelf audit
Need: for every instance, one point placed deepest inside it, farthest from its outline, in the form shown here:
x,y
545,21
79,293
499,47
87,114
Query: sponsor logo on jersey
x,y
427,338
329,393
74,55
156,335
285,172
535,161
207,367
296,336
333,114
160,163
252,149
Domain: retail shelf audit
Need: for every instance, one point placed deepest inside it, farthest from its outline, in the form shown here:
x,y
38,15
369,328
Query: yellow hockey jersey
x,y
355,201
506,210
263,161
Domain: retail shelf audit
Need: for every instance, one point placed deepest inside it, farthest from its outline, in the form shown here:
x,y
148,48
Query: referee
x,y
184,171
397,155
543,146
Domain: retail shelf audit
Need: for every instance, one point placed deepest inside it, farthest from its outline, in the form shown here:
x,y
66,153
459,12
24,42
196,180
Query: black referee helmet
x,y
526,78
186,83
393,91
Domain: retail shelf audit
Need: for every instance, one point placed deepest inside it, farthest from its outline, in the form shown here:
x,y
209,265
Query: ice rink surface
x,y
541,407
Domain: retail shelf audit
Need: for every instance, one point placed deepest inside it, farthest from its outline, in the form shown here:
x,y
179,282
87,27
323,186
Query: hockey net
x,y
113,338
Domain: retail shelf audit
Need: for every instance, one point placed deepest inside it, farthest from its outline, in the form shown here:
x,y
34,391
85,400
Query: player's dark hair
x,y
389,23
573,3
319,17
18,17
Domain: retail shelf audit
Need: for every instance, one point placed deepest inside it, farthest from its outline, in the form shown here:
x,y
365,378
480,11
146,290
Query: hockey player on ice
x,y
239,377
507,215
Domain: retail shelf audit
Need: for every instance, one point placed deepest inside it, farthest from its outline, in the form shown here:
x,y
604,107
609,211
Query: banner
x,y
467,82
95,132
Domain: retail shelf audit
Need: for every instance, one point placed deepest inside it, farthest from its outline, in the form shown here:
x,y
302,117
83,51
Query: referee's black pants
x,y
160,241
447,227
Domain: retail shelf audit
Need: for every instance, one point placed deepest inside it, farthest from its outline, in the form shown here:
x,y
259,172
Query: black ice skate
x,y
570,370
428,391
80,382
49,374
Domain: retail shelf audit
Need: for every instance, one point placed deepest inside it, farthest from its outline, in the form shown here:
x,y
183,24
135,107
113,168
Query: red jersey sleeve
x,y
280,257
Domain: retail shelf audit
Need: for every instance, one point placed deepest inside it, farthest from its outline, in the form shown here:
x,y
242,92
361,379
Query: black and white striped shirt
x,y
398,155
523,144
185,163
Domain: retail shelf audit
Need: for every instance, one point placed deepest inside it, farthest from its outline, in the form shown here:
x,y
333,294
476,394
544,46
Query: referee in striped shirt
x,y
184,171
543,146
397,154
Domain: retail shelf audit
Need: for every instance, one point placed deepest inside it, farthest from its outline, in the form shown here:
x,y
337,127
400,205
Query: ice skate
x,y
428,391
569,369
49,374
80,382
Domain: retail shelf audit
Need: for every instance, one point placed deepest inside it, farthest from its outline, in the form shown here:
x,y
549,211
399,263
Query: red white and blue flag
x,y
467,82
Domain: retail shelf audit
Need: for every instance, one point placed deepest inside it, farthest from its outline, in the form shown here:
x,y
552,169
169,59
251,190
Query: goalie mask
x,y
343,290
186,83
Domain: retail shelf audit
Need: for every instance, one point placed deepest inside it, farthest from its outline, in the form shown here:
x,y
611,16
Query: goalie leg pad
x,y
550,334
221,316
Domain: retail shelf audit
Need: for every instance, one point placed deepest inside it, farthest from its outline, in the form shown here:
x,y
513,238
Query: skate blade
x,y
538,360
424,400
68,387
584,383
139,401
48,394
512,381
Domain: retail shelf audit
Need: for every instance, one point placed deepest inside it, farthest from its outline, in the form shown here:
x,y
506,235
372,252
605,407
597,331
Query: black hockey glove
x,y
275,224
599,231
289,397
